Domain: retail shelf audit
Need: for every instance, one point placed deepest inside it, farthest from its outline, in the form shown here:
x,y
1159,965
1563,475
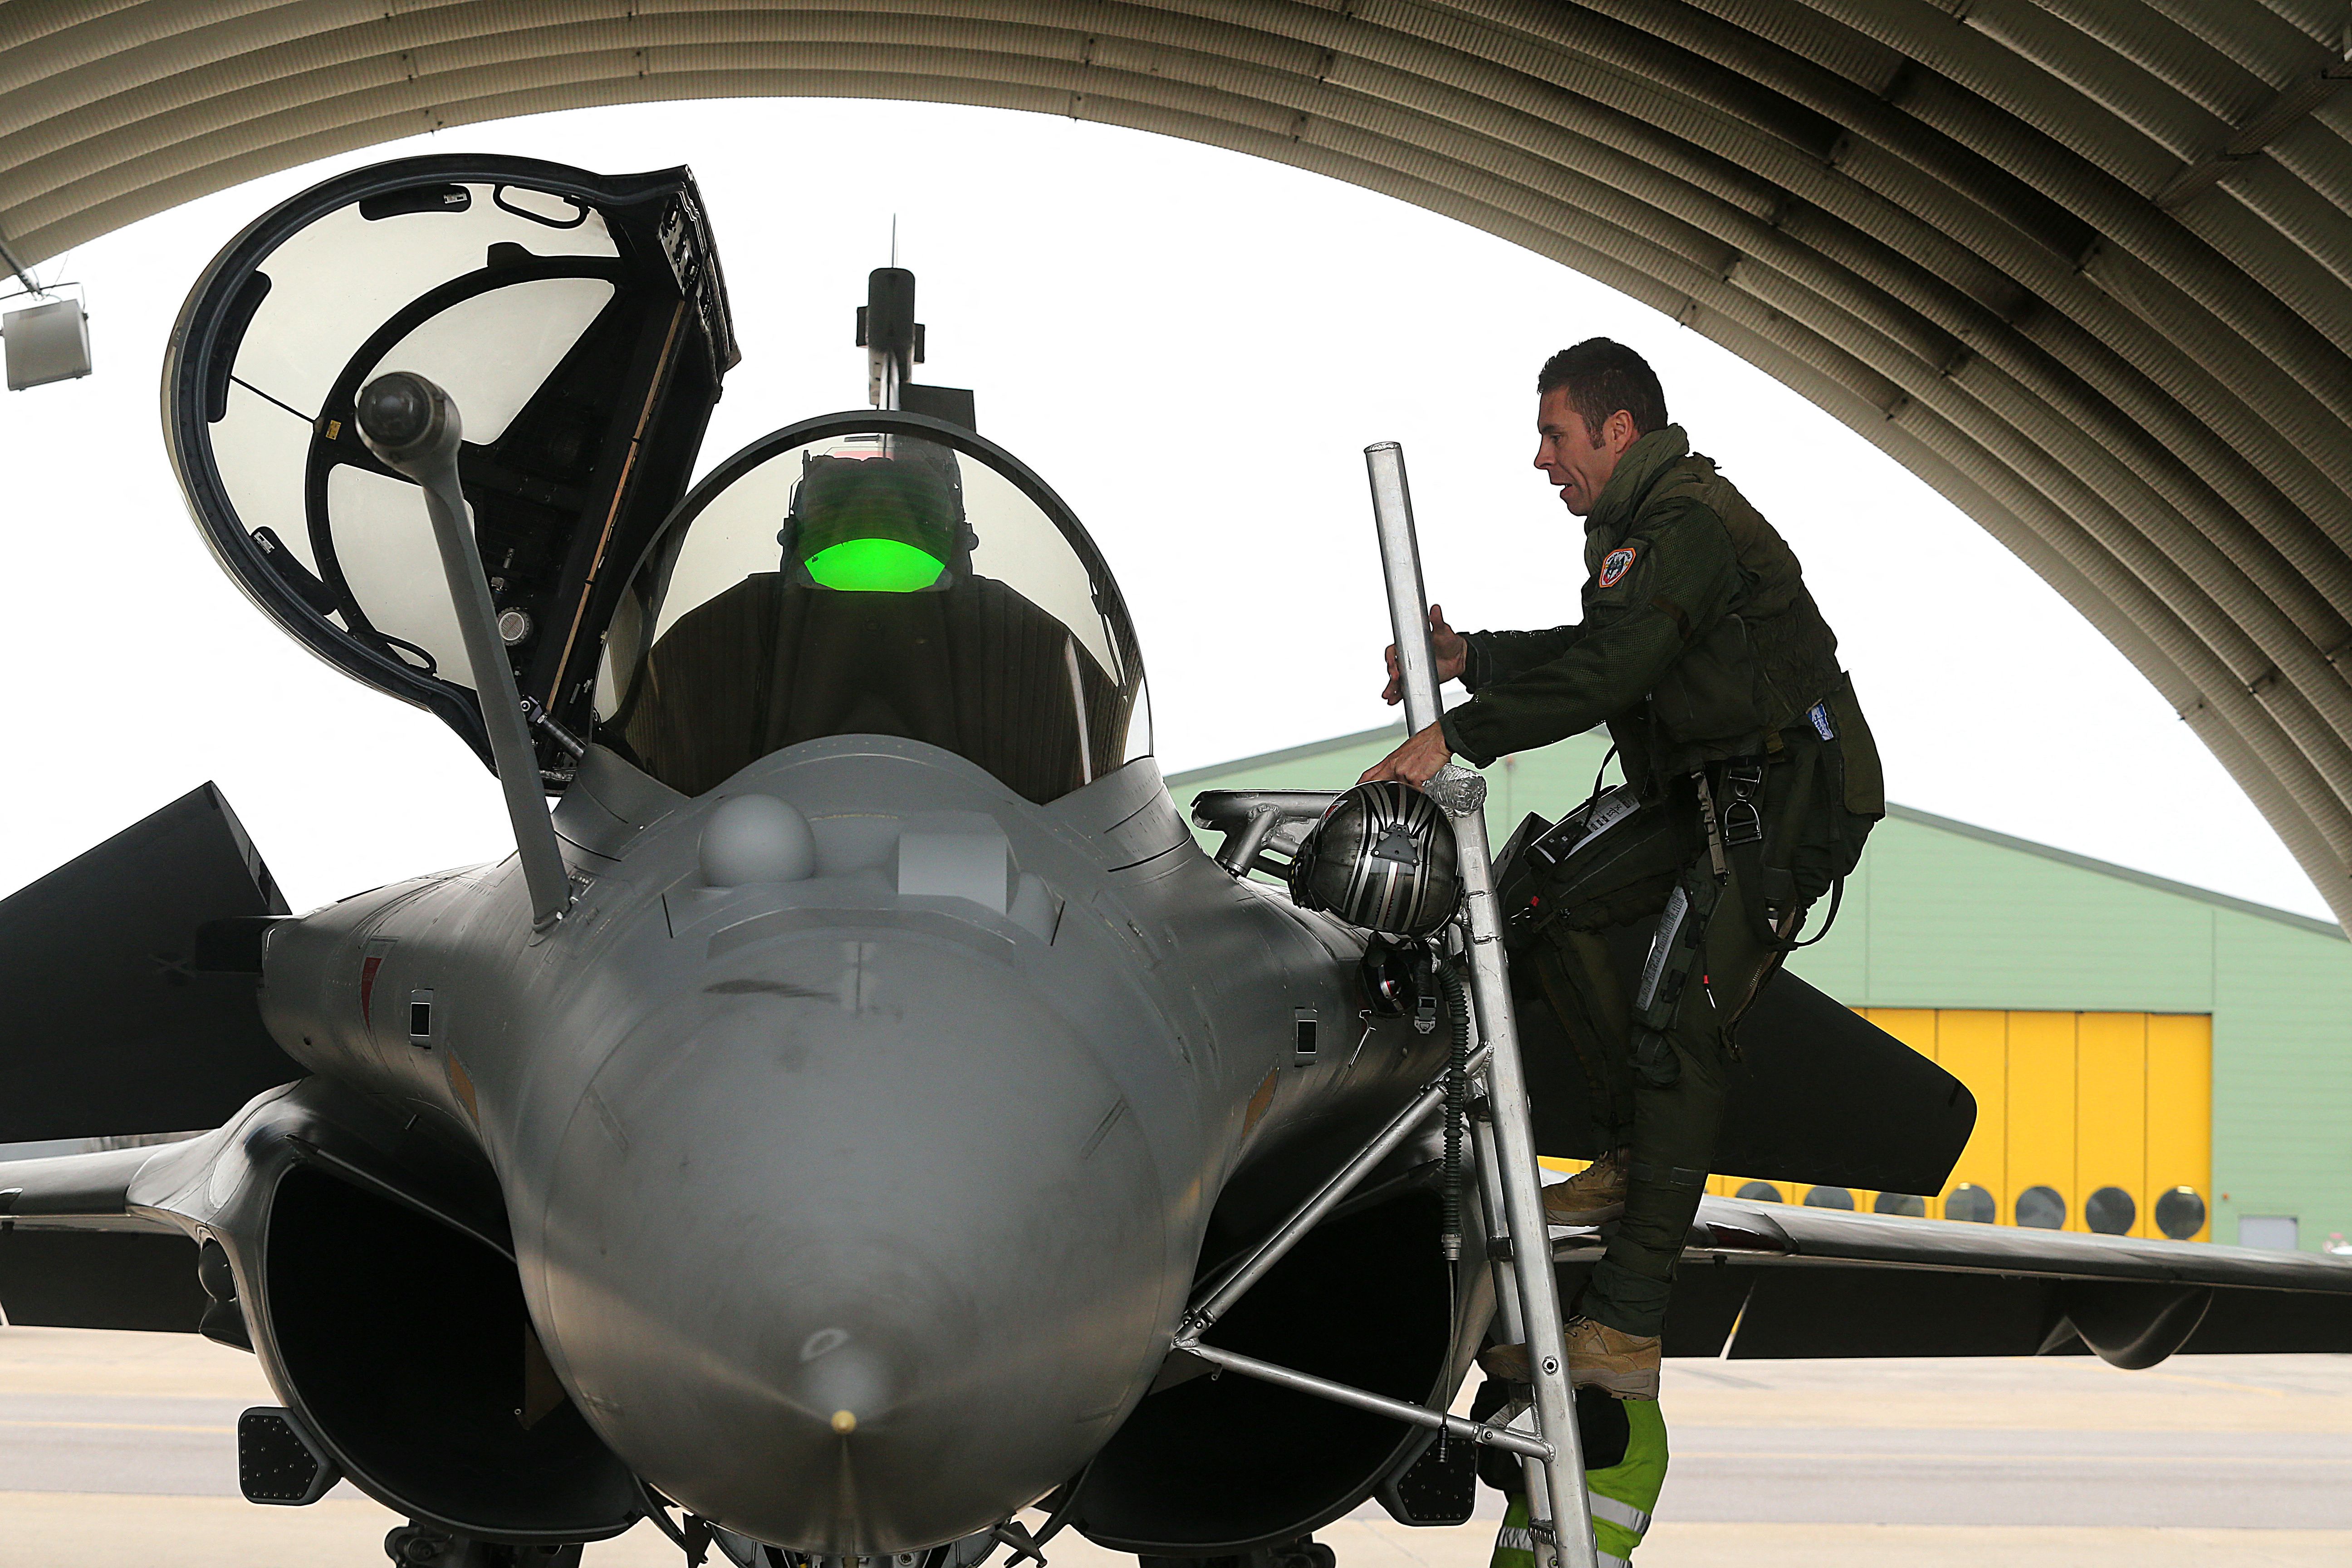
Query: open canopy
x,y
580,326
874,574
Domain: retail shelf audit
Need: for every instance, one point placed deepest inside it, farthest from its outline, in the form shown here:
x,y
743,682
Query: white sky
x,y
1194,347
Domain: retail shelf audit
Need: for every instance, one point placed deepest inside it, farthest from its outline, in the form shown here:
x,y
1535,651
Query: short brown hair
x,y
1601,377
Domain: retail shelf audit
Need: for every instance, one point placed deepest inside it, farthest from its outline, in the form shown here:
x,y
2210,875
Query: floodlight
x,y
46,343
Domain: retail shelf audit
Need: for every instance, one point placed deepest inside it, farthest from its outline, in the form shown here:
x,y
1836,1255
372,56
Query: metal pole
x,y
415,428
17,267
1512,1323
1490,1197
1401,560
1560,1479
1534,1449
1309,1214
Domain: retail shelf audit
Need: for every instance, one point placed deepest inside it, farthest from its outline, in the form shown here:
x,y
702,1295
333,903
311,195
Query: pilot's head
x,y
1594,401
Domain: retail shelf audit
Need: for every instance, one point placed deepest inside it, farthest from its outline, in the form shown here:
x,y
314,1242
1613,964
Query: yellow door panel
x,y
2076,1102
2041,1108
2111,1119
2180,1111
1973,1047
1914,1027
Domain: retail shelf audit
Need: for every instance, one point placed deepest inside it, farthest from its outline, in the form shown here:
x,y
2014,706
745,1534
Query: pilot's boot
x,y
1624,1365
1594,1195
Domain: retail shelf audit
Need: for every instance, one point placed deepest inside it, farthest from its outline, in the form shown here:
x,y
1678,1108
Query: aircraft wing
x,y
127,978
78,1252
1769,1280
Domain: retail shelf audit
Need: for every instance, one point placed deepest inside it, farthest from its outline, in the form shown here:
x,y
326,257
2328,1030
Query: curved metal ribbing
x,y
2085,266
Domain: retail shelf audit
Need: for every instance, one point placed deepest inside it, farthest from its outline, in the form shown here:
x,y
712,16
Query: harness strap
x,y
1714,826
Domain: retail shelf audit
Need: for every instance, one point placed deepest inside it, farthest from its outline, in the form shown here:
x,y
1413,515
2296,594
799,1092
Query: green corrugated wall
x,y
1941,914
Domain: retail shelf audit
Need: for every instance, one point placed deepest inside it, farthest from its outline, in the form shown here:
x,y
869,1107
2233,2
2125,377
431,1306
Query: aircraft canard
x,y
579,319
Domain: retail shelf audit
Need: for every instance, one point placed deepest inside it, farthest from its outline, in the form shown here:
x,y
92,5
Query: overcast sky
x,y
1194,347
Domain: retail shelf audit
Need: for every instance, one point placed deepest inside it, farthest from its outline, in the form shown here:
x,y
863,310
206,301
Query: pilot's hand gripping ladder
x,y
1527,1297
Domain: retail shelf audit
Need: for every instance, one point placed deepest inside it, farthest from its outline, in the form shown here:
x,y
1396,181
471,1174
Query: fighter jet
x,y
842,1127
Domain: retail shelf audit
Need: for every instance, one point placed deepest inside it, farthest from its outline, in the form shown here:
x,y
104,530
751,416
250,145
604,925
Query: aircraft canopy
x,y
579,323
874,574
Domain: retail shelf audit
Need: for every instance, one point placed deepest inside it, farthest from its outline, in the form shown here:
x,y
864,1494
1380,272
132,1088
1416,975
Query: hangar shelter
x,y
2148,1058
2083,266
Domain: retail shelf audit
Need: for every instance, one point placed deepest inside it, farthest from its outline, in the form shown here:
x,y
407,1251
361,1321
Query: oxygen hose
x,y
1457,1104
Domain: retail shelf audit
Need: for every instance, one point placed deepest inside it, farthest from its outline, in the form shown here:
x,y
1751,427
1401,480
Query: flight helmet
x,y
885,519
1383,858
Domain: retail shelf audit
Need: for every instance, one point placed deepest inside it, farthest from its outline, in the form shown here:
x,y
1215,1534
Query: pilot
x,y
1752,782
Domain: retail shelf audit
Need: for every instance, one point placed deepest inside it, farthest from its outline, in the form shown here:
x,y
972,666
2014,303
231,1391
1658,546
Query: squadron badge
x,y
1614,565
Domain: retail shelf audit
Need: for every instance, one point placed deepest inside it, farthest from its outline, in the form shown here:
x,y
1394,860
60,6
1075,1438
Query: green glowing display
x,y
874,566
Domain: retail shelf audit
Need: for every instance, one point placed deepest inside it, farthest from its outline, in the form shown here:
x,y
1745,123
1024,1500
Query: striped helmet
x,y
1381,857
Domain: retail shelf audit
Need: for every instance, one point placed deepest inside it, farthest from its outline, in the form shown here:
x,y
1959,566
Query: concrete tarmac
x,y
120,1448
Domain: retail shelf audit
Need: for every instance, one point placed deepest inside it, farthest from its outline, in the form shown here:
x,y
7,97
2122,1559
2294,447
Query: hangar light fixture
x,y
46,342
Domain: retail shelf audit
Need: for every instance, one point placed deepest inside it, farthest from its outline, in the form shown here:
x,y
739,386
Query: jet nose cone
x,y
856,1248
842,1376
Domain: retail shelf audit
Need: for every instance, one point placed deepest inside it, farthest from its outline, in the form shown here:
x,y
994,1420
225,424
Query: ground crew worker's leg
x,y
1625,1494
1624,1445
1674,1130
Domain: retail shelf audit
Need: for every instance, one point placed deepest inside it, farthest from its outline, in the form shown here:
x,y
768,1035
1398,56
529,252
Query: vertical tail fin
x,y
106,1026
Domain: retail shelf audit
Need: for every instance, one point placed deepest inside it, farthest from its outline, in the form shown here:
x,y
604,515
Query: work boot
x,y
1594,1195
1625,1366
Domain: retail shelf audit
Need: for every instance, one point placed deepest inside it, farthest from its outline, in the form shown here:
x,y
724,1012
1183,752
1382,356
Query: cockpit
x,y
874,574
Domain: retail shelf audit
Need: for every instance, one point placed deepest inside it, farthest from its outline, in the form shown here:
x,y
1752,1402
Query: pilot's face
x,y
1571,455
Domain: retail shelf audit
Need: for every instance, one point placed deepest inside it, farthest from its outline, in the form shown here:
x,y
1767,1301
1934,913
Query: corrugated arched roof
x,y
2085,266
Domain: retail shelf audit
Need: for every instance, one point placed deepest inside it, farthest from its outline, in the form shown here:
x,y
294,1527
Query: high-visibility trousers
x,y
1623,1497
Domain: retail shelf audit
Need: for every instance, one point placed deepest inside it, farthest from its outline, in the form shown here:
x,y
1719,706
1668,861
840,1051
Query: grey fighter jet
x,y
839,1127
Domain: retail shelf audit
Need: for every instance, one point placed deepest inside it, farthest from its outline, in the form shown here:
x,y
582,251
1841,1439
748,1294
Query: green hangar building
x,y
2148,1058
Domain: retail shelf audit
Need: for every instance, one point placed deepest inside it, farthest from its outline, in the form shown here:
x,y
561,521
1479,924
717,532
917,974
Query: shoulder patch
x,y
1614,565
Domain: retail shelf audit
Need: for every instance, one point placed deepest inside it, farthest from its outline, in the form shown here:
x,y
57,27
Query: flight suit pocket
x,y
1846,801
1866,781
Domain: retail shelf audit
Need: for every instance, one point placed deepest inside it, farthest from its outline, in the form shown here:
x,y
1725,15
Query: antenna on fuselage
x,y
888,332
893,341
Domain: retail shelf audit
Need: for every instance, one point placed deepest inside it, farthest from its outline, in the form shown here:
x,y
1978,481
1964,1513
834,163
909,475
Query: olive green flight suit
x,y
1704,654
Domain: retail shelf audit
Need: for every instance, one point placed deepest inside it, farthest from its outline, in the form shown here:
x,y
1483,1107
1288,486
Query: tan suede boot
x,y
1594,1195
1622,1365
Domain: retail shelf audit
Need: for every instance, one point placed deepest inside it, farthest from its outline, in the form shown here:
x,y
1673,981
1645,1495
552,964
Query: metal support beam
x,y
1237,1280
1563,1531
1533,1450
8,257
415,428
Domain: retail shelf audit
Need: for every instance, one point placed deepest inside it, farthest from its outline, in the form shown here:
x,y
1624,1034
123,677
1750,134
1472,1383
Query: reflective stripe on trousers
x,y
1621,1513
1517,1538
